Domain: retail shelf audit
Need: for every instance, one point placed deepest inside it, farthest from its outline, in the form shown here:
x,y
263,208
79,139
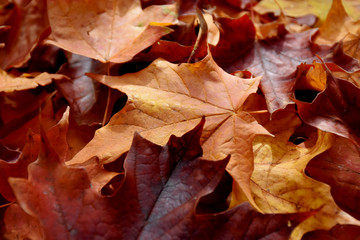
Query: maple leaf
x,y
353,77
276,61
281,124
81,91
276,161
337,26
231,42
157,199
301,8
339,167
166,99
20,112
109,31
18,168
335,110
86,185
28,26
87,98
9,83
20,225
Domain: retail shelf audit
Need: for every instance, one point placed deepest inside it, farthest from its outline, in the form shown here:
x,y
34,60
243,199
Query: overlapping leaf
x,y
10,83
276,61
335,110
27,23
301,8
280,185
338,26
109,31
83,189
167,99
339,167
157,199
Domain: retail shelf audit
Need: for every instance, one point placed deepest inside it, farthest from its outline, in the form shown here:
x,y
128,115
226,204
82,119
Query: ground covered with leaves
x,y
188,119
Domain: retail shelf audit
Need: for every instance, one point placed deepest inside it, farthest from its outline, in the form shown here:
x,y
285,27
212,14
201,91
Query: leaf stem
x,y
108,98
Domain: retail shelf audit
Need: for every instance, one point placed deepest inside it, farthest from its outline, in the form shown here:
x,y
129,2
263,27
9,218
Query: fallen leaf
x,y
276,61
350,45
339,232
20,112
18,168
335,110
8,154
311,76
9,83
28,26
281,124
339,167
20,225
353,77
160,105
157,199
108,31
300,8
276,161
232,41
337,25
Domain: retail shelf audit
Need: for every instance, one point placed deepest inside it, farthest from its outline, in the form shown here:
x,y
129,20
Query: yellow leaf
x,y
337,26
297,8
279,184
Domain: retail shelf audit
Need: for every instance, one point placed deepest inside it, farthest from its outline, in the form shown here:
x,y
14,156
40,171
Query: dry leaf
x,y
280,185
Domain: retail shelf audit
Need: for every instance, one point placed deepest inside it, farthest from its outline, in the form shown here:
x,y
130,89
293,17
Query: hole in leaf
x,y
306,95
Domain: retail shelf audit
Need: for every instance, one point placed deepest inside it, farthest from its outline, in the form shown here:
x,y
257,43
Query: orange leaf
x,y
10,83
337,25
167,99
109,31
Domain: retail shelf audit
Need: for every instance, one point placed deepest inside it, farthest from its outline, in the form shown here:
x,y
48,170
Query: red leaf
x,y
157,199
276,61
336,109
340,168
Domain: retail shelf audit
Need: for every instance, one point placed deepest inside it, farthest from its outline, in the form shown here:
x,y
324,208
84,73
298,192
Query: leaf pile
x,y
179,119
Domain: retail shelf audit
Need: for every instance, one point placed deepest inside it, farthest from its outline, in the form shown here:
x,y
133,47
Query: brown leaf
x,y
109,31
335,110
19,167
20,112
353,77
9,83
276,61
281,124
339,167
28,23
157,199
167,99
87,98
